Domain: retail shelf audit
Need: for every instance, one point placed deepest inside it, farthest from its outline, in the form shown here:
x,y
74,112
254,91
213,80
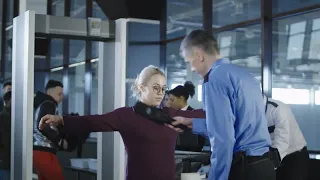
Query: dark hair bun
x,y
189,87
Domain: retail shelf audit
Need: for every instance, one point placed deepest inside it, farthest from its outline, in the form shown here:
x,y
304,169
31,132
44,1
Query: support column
x,y
111,93
266,47
22,96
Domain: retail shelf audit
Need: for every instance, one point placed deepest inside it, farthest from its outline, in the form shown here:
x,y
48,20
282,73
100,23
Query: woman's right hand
x,y
50,119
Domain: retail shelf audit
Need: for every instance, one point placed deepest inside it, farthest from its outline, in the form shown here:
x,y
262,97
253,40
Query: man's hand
x,y
50,119
180,120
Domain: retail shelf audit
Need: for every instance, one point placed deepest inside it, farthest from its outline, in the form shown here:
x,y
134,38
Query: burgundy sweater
x,y
150,146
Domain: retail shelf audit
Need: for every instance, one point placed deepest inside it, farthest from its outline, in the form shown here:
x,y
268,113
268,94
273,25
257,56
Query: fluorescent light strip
x,y
94,60
56,69
72,65
77,64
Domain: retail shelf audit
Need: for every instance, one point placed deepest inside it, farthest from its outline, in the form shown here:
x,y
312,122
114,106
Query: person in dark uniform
x,y
5,137
150,145
179,96
287,141
235,119
166,101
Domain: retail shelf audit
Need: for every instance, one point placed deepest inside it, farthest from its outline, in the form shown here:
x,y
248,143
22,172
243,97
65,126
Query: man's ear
x,y
199,54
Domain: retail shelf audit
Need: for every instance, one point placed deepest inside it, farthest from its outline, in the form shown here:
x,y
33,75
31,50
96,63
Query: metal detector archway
x,y
111,85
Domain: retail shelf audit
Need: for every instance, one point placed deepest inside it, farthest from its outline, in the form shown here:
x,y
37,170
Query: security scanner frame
x,y
111,85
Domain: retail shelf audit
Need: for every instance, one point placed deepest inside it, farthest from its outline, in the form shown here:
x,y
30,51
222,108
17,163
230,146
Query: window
x,y
76,76
243,47
56,53
317,97
77,51
57,74
57,7
225,45
181,15
78,8
291,96
8,53
296,38
97,11
280,6
76,89
231,12
314,53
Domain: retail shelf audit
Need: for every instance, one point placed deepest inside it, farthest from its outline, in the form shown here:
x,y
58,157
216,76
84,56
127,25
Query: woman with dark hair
x,y
166,103
180,95
178,98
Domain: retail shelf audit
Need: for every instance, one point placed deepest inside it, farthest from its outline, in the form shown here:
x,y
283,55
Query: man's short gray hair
x,y
200,39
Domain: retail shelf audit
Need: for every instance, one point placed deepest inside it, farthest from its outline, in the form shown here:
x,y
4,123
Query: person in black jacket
x,y
48,141
5,88
5,138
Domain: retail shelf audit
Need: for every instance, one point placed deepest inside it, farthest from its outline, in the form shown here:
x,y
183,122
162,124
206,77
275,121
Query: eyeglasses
x,y
158,89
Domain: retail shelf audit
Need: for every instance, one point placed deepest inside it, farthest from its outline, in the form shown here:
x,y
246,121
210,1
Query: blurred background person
x,y
7,86
166,101
5,137
178,97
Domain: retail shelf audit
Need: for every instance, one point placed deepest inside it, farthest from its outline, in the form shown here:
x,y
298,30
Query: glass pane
x,y
57,7
78,8
58,76
225,12
178,72
317,97
97,11
95,49
296,67
243,47
302,96
295,46
9,12
139,56
8,51
314,50
77,51
143,32
280,6
39,81
94,90
76,89
56,53
183,15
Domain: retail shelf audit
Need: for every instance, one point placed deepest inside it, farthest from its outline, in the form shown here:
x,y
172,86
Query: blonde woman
x,y
150,146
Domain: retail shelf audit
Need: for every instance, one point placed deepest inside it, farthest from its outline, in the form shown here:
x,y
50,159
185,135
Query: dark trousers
x,y
252,168
294,166
4,174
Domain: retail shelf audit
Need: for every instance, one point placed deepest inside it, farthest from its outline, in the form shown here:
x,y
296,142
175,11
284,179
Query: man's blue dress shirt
x,y
235,118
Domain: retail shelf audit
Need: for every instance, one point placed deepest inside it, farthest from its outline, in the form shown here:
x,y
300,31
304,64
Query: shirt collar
x,y
185,108
218,62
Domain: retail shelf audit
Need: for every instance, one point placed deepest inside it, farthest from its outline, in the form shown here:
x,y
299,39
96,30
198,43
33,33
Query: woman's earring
x,y
140,88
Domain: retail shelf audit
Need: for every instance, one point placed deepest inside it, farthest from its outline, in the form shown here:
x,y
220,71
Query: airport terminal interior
x,y
96,48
